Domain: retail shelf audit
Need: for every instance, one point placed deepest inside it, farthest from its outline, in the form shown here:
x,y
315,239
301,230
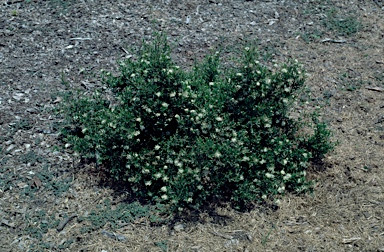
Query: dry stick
x,y
378,89
81,39
64,222
334,40
122,48
229,237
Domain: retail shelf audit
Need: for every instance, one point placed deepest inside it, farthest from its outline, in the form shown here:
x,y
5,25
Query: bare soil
x,y
43,43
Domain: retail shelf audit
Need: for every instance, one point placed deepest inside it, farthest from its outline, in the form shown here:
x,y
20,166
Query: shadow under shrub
x,y
180,138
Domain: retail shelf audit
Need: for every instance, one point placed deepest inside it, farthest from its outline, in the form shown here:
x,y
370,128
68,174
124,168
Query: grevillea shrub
x,y
184,137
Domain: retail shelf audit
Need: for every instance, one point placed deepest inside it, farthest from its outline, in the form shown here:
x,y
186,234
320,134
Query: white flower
x,y
164,197
189,200
138,119
211,83
148,183
157,147
284,70
158,175
165,178
200,187
285,162
281,189
178,163
181,171
163,189
264,196
282,172
269,175
219,119
217,154
287,176
287,89
158,94
245,159
145,171
136,133
239,74
246,48
133,75
165,105
173,94
241,177
268,81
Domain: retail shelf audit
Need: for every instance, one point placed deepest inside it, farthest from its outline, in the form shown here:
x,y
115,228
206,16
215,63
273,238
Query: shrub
x,y
183,138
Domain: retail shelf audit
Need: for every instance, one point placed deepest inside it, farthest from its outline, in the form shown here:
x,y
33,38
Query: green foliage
x,y
183,138
119,215
163,245
342,25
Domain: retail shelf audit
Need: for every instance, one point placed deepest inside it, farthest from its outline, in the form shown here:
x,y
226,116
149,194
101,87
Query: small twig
x,y
7,223
80,39
64,222
229,237
122,48
351,240
376,2
334,40
378,89
114,236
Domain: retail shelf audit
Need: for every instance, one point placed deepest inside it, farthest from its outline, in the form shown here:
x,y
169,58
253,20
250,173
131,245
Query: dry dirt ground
x,y
47,197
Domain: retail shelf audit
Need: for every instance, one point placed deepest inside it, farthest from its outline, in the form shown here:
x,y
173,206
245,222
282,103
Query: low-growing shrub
x,y
184,137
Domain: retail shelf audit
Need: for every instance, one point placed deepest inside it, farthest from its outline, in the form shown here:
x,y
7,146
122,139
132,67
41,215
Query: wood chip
x,y
229,237
378,89
334,40
7,223
36,182
114,236
351,240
